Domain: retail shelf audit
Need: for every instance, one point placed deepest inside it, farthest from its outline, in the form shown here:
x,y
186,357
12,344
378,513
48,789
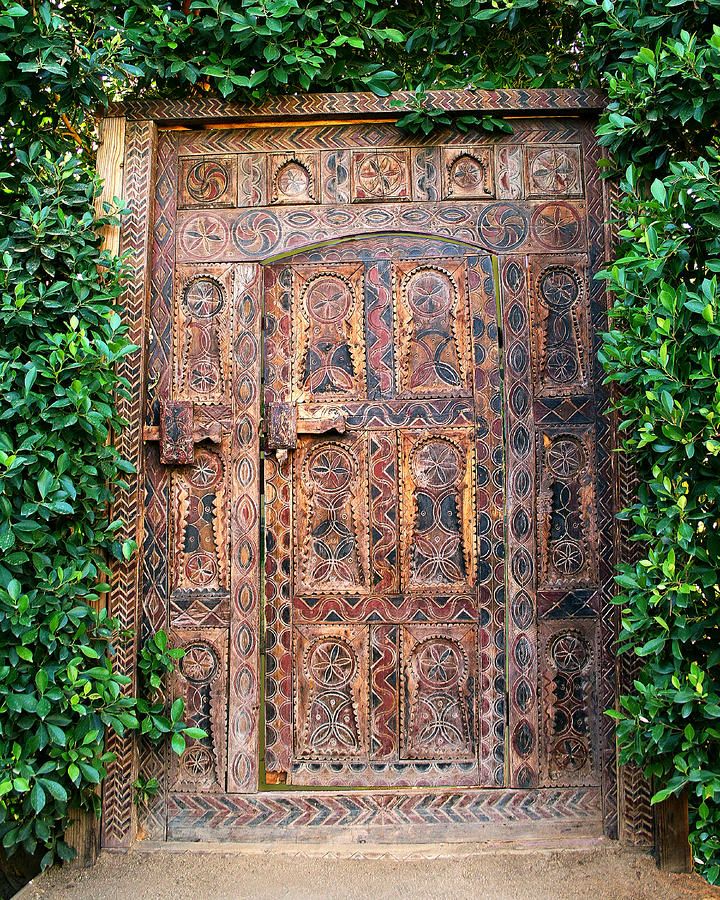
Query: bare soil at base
x,y
438,872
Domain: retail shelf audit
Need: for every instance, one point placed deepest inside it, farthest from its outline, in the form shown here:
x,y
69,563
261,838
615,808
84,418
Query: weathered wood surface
x,y
385,267
672,847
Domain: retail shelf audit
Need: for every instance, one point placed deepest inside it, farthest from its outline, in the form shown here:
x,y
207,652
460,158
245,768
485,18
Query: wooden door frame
x,y
626,810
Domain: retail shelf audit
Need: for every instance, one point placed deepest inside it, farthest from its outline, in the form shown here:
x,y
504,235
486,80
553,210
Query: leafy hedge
x,y
658,59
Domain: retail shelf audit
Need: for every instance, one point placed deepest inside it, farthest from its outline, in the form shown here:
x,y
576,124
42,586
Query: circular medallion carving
x,y
560,287
207,181
503,226
331,469
440,662
562,366
293,180
197,761
203,297
256,232
553,171
469,174
569,651
569,754
556,226
331,663
328,299
430,293
200,664
436,464
567,557
565,457
207,470
201,568
380,175
204,376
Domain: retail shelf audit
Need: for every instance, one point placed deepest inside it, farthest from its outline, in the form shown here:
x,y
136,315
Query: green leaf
x,y
37,798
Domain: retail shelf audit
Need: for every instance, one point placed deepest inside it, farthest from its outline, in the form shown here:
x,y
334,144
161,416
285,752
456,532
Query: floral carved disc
x,y
331,663
199,665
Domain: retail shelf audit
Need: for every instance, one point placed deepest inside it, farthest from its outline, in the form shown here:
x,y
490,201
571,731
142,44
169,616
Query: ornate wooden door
x,y
384,513
410,326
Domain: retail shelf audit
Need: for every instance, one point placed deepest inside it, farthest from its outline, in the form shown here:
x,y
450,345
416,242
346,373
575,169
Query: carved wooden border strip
x,y
635,813
244,694
301,105
140,142
398,815
597,215
153,761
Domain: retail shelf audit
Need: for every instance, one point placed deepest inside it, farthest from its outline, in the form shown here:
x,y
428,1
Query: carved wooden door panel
x,y
410,325
382,400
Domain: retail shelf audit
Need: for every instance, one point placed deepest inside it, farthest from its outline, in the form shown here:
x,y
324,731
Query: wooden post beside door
x,y
84,832
672,846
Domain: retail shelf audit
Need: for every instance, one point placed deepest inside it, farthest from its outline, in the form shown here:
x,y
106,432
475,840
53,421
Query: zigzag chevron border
x,y
140,141
408,816
300,105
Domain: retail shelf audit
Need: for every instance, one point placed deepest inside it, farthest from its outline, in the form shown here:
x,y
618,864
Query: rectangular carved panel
x,y
331,692
554,171
561,342
432,329
294,178
509,184
384,691
468,172
567,530
203,322
201,681
329,345
380,175
569,653
207,181
438,511
251,179
384,519
332,515
335,179
199,502
439,672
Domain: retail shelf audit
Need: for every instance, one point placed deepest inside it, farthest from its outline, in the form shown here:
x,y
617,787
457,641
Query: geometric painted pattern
x,y
397,256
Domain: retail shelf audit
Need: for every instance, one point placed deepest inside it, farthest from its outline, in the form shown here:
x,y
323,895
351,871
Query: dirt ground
x,y
454,871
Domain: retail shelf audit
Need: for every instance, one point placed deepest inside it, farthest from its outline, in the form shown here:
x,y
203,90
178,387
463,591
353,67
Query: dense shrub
x,y
63,331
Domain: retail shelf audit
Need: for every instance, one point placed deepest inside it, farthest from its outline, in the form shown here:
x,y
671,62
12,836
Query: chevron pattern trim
x,y
117,823
597,216
541,100
293,816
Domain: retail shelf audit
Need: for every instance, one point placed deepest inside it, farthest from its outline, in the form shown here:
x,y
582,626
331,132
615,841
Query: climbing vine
x,y
61,63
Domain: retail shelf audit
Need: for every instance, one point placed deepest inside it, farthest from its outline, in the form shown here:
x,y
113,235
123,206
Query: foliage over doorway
x,y
61,63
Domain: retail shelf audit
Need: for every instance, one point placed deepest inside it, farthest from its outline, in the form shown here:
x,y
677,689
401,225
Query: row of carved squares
x,y
383,174
248,180
332,688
